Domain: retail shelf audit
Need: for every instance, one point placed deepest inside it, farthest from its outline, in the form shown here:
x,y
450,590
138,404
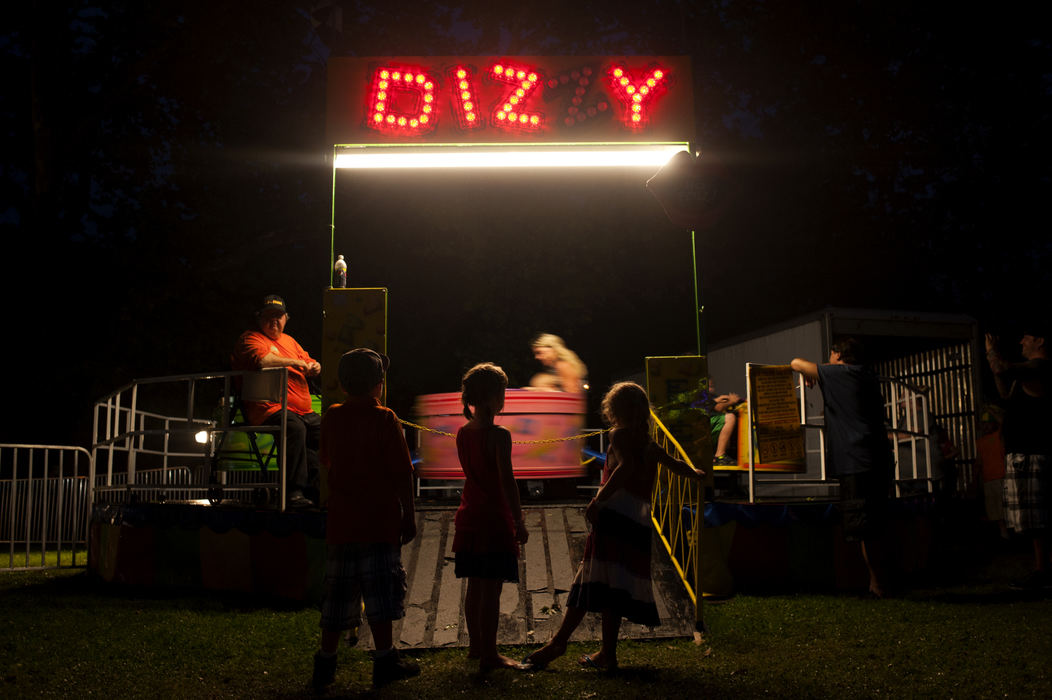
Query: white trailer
x,y
922,353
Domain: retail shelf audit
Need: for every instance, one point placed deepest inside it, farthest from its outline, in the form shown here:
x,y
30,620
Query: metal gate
x,y
44,506
947,378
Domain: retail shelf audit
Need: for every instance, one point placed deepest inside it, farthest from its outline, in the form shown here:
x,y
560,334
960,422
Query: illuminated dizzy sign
x,y
510,99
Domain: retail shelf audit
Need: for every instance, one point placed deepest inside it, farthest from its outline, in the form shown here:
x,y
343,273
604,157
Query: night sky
x,y
165,167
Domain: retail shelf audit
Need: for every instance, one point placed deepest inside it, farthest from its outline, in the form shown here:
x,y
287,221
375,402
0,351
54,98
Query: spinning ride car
x,y
540,423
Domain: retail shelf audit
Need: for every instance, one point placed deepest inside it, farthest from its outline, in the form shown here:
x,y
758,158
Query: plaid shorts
x,y
355,573
1027,491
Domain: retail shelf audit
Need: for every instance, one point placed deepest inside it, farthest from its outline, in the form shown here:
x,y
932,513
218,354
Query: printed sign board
x,y
776,414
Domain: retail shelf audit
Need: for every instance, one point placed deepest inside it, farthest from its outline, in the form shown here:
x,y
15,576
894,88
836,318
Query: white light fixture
x,y
549,155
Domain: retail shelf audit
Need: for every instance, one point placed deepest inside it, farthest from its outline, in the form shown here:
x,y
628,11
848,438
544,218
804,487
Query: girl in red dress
x,y
489,524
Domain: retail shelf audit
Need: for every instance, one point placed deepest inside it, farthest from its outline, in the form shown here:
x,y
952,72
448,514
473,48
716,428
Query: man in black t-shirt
x,y
859,453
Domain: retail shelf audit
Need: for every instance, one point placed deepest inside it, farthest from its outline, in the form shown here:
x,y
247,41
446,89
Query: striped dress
x,y
615,572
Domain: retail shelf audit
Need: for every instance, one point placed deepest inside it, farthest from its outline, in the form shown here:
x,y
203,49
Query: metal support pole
x,y
130,440
697,307
284,451
332,222
699,593
13,506
749,426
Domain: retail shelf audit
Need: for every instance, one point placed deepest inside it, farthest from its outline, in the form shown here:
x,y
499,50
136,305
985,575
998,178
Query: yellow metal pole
x,y
699,593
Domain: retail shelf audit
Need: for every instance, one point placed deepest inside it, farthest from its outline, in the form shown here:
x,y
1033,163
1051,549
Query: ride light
x,y
560,155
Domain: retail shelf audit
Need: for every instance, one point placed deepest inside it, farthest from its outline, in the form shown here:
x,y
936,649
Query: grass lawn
x,y
51,558
65,635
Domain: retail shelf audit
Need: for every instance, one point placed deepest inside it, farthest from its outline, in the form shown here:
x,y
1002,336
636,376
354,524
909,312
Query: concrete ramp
x,y
530,611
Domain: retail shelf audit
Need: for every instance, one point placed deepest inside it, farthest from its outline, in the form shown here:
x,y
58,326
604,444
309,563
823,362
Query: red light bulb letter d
x,y
402,100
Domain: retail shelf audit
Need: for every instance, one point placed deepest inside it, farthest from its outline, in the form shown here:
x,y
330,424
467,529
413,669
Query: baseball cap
x,y
361,369
272,303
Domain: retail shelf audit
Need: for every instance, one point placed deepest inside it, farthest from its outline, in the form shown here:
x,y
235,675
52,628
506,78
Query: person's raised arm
x,y
1031,373
807,369
507,482
998,366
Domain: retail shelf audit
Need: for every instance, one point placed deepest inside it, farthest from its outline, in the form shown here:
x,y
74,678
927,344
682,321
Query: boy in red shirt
x,y
370,516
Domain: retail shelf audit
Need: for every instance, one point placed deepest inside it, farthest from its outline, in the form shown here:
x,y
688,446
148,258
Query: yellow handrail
x,y
677,510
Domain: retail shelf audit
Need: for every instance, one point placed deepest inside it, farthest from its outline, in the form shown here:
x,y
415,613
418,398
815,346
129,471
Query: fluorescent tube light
x,y
537,156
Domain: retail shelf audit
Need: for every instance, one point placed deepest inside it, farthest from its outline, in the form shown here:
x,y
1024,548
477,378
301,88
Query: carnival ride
x,y
546,427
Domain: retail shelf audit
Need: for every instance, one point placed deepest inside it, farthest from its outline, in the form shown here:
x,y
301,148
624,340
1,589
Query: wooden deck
x,y
531,611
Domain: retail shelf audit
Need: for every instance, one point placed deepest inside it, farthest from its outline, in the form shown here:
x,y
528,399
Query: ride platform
x,y
247,550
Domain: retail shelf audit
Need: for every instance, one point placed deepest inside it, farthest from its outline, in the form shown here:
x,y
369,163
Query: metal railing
x,y
678,513
948,379
910,432
44,505
144,449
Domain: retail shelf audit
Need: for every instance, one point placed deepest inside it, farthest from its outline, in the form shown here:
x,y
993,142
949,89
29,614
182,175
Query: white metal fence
x,y
44,506
163,438
945,380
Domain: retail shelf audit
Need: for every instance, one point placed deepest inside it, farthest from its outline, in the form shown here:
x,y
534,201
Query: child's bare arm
x,y
677,466
507,482
615,482
403,465
408,527
620,474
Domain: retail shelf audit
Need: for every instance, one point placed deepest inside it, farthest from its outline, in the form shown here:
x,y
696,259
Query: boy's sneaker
x,y
298,500
724,461
391,667
324,671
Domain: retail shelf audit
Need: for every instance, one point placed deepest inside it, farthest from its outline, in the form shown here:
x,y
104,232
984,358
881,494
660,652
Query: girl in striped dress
x,y
614,577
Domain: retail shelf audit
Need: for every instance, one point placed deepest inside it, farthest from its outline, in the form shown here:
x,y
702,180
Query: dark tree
x,y
165,166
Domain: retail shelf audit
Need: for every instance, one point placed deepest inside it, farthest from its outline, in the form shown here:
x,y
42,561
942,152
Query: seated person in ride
x,y
563,369
723,421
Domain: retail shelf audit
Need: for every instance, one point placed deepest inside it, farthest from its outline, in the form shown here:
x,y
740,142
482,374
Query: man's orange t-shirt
x,y
252,347
367,462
